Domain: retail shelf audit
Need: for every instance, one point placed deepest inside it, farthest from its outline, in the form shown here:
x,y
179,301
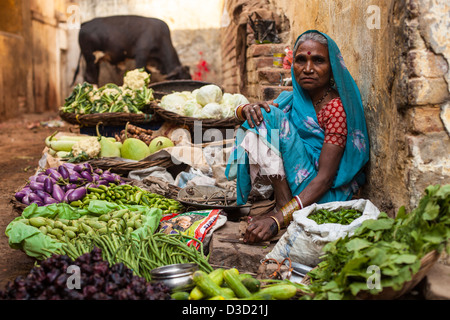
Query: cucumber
x,y
207,286
277,292
253,285
216,276
180,295
231,277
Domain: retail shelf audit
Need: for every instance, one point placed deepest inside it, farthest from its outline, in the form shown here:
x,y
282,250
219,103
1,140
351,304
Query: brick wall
x,y
247,67
427,118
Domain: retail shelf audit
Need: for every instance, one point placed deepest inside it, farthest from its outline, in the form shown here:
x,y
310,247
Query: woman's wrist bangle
x,y
238,112
278,223
288,210
299,201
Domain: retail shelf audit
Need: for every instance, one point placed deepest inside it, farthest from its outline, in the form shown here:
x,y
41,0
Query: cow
x,y
117,38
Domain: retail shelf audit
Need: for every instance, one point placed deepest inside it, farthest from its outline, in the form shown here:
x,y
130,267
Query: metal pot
x,y
178,277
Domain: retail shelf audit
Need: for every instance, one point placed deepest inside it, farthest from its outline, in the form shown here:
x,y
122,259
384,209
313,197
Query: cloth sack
x,y
304,238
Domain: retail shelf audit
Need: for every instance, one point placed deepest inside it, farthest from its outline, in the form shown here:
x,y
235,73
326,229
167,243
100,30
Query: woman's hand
x,y
260,230
252,112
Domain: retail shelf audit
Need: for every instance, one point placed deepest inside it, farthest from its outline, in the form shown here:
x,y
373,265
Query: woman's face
x,y
312,67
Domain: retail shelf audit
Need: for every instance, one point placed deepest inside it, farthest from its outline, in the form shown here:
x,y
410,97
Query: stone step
x,y
272,75
265,49
271,92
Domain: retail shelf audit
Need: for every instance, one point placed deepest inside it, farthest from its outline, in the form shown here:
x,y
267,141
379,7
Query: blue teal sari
x,y
292,131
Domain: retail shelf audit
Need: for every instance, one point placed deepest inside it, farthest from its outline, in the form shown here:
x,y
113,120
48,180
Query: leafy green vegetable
x,y
394,246
341,216
132,97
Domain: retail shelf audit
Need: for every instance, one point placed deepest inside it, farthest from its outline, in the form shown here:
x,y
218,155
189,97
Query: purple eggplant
x,y
86,175
75,177
22,193
41,194
36,185
71,186
48,185
58,193
49,200
88,167
26,199
98,171
103,182
38,202
63,172
41,178
77,194
52,172
69,166
34,197
66,196
78,168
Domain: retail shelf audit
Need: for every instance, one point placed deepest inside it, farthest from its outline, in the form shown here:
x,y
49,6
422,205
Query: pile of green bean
x,y
341,216
141,255
131,195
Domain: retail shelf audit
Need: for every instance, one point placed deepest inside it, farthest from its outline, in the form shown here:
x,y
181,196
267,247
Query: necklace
x,y
321,99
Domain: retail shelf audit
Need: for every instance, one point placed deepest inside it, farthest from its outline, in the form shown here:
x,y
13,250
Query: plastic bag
x,y
198,224
304,238
40,246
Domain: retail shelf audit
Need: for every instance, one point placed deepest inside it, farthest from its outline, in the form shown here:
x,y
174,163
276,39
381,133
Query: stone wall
x,y
398,54
428,112
247,66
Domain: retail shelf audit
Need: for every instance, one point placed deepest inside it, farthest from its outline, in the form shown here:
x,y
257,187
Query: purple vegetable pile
x,y
97,281
66,183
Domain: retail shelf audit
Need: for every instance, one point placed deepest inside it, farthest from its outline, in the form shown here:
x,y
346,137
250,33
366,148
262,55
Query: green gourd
x,y
108,147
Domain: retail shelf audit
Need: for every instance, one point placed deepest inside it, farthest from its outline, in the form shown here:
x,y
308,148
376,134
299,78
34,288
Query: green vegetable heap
x,y
141,253
129,195
132,97
394,245
62,229
342,216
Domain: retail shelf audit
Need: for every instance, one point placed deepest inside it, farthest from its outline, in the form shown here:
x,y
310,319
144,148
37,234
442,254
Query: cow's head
x,y
180,72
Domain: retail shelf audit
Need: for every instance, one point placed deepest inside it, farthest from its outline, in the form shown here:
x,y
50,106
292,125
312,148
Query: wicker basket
x,y
162,88
109,118
124,167
189,121
389,293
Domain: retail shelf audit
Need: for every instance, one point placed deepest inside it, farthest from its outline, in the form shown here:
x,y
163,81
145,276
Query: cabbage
x,y
227,110
239,99
208,94
174,101
227,99
192,108
212,110
194,93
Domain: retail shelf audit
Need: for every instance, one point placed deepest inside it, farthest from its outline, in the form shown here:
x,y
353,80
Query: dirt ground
x,y
22,143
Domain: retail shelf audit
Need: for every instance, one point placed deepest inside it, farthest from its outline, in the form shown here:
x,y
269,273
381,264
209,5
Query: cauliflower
x,y
136,79
91,146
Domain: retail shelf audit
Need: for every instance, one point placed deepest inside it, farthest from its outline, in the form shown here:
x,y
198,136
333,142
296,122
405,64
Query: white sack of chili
x,y
304,238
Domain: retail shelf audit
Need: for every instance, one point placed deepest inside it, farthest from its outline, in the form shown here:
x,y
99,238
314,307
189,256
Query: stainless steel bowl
x,y
177,277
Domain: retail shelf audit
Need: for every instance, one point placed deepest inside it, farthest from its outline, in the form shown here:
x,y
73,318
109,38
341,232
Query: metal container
x,y
178,277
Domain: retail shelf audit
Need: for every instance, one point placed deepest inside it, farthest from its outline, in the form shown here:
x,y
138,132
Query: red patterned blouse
x,y
333,120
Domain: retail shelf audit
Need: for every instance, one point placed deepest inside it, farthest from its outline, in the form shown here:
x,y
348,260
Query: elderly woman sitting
x,y
311,143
